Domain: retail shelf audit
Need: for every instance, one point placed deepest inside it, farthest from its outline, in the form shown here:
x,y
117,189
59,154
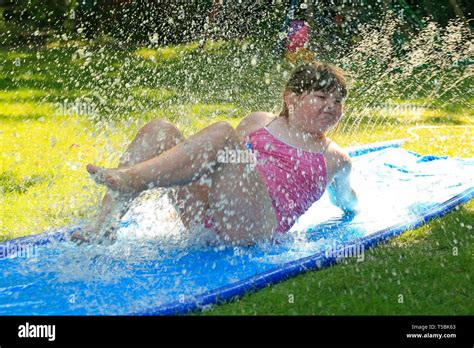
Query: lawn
x,y
71,103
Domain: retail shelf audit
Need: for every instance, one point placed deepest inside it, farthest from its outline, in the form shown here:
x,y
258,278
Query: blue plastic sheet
x,y
398,190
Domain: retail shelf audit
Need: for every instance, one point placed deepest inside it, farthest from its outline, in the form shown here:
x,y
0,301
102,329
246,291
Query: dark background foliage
x,y
162,22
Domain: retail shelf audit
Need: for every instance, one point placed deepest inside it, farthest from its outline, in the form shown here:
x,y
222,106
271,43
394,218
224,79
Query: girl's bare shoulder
x,y
336,157
254,121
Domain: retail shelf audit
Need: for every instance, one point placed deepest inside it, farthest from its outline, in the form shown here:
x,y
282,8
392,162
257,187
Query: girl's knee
x,y
159,125
228,134
223,128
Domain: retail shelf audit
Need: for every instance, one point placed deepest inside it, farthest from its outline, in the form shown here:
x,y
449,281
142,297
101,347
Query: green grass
x,y
43,152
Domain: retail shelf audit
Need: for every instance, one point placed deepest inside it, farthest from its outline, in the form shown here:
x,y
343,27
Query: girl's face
x,y
314,112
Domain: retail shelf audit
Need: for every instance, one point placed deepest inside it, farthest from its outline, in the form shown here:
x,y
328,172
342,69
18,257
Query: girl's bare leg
x,y
241,207
238,199
179,165
151,140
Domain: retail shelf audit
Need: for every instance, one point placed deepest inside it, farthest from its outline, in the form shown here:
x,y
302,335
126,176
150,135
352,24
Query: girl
x,y
243,199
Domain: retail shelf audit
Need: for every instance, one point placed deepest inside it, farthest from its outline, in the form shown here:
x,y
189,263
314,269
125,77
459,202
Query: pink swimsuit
x,y
294,178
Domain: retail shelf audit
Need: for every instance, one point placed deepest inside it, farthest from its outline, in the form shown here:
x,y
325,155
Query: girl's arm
x,y
340,191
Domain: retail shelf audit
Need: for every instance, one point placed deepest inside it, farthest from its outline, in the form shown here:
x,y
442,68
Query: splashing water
x,y
428,71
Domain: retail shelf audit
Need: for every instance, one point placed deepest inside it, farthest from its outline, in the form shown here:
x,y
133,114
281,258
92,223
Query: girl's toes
x,y
112,178
92,169
79,238
99,174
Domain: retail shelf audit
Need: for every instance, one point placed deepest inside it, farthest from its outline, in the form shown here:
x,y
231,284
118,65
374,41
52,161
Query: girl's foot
x,y
89,234
103,227
84,235
115,179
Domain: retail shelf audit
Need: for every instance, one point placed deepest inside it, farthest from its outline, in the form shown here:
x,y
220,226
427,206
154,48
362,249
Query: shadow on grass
x,y
445,120
219,74
10,183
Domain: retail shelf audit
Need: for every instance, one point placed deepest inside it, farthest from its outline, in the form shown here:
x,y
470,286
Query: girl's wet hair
x,y
315,76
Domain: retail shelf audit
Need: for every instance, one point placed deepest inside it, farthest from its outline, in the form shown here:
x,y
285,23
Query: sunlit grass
x,y
25,109
153,93
13,55
448,140
166,53
42,166
20,94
